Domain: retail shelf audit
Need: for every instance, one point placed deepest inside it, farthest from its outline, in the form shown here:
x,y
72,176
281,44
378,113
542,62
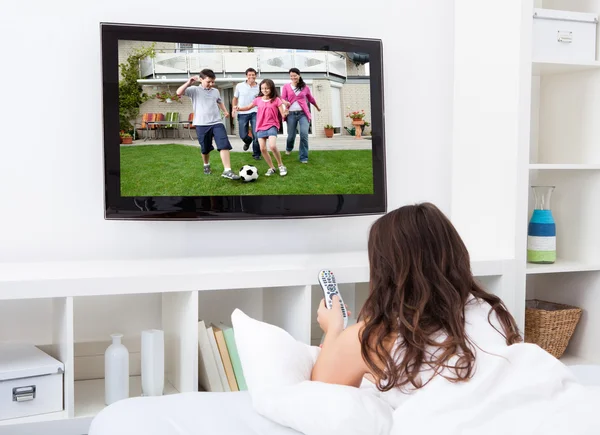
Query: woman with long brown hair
x,y
426,318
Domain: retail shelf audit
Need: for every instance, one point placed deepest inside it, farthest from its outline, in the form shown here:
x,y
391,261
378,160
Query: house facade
x,y
338,83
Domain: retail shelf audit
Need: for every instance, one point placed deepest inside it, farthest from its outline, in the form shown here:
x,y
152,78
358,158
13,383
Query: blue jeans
x,y
243,120
293,119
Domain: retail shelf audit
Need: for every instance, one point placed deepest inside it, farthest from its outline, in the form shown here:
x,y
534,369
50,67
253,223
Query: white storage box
x,y
560,36
31,381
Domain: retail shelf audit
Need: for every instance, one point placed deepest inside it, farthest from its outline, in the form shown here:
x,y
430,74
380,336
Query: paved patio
x,y
314,143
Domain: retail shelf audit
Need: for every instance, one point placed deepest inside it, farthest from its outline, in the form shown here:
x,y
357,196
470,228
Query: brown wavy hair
x,y
420,281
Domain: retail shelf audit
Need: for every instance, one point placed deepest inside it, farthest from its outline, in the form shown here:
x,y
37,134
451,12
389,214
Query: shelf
x,y
87,278
562,266
52,416
89,395
565,166
540,68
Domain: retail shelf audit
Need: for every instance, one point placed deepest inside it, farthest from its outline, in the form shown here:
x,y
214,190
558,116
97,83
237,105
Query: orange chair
x,y
189,126
147,117
155,127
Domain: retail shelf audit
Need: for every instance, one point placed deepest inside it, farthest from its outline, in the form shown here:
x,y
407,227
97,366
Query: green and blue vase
x,y
541,232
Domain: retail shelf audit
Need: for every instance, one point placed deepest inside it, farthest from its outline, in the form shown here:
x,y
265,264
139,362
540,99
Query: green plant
x,y
357,115
329,127
167,97
123,134
131,95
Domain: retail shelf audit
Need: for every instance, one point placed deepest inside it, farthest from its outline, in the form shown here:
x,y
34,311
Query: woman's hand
x,y
331,320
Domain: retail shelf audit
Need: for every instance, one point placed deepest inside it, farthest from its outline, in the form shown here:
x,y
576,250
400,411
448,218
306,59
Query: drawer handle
x,y
23,394
564,36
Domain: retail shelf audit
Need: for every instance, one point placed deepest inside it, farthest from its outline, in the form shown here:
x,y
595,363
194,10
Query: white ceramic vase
x,y
153,362
116,371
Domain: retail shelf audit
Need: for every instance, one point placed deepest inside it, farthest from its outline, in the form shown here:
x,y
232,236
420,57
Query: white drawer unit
x,y
560,36
31,381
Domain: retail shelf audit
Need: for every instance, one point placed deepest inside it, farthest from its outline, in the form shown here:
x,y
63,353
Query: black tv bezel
x,y
235,207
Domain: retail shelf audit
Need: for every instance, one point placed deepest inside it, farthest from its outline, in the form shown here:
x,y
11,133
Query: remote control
x,y
330,288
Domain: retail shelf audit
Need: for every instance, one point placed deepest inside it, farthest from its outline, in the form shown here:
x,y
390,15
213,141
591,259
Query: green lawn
x,y
176,170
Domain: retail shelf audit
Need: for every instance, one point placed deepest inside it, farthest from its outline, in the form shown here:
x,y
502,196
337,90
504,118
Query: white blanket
x,y
522,390
518,389
185,414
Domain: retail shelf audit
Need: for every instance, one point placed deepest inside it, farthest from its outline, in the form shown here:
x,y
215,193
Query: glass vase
x,y
541,232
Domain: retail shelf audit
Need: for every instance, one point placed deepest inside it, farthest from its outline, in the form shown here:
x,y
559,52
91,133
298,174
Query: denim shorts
x,y
272,131
206,134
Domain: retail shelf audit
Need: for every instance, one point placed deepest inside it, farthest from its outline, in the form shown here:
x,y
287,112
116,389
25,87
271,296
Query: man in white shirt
x,y
244,94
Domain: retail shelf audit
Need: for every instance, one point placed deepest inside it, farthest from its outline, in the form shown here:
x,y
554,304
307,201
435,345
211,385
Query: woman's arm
x,y
340,361
285,95
282,108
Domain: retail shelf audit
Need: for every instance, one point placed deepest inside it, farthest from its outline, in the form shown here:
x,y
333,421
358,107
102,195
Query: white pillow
x,y
270,356
277,369
316,408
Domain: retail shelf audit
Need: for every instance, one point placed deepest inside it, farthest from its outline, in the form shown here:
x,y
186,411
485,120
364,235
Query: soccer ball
x,y
249,173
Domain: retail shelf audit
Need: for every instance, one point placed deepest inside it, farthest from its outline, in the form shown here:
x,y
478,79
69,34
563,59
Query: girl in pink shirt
x,y
270,106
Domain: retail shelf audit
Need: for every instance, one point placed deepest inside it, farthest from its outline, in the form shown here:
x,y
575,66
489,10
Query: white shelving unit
x,y
541,68
90,395
80,303
564,152
564,167
562,266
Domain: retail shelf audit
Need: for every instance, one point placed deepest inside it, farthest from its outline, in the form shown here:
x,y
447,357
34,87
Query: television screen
x,y
234,124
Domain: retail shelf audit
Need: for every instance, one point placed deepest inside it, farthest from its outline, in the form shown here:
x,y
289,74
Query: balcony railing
x,y
225,63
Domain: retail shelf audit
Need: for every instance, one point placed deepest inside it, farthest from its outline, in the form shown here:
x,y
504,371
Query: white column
x,y
492,87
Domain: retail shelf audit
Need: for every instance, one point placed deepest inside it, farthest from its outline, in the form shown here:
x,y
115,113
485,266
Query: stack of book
x,y
220,368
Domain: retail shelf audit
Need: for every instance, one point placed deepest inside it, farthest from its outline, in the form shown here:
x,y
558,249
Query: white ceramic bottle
x,y
116,371
153,362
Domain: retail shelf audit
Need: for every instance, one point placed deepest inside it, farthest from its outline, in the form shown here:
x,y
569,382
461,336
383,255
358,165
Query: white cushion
x,y
277,369
270,356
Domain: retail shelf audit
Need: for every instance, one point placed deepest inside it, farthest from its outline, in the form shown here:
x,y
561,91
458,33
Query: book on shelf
x,y
234,355
225,358
209,378
217,357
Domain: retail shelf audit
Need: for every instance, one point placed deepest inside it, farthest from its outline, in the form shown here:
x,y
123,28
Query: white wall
x,y
51,172
492,67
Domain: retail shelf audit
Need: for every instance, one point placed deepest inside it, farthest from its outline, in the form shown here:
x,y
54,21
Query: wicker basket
x,y
550,325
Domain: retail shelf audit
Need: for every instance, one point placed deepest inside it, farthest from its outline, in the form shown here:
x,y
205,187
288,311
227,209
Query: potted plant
x,y
357,117
357,121
167,97
126,138
329,130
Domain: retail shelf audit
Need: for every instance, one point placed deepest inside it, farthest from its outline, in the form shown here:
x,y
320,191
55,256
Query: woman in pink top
x,y
267,123
297,98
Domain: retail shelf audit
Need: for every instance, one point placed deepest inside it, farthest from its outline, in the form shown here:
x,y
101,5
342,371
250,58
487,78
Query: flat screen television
x,y
162,86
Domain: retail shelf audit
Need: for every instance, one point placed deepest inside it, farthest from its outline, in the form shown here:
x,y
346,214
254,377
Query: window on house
x,y
185,47
188,47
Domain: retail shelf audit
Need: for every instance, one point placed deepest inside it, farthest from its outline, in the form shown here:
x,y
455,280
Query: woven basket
x,y
550,325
